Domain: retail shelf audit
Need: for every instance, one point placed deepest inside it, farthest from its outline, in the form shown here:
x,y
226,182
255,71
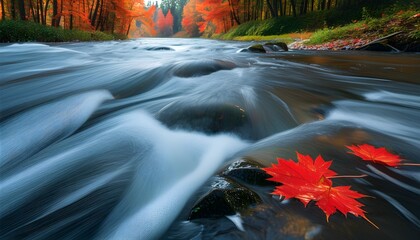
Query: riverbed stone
x,y
226,198
267,47
209,118
159,48
256,48
247,171
277,46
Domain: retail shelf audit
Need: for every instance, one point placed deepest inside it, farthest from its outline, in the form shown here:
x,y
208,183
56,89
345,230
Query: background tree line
x,y
218,16
113,16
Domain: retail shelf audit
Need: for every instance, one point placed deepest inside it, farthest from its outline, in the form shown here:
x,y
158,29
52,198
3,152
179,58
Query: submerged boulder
x,y
209,118
276,46
201,67
225,198
159,48
258,48
267,47
249,172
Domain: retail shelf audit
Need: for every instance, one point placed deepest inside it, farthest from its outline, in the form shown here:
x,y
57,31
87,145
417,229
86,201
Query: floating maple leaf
x,y
377,155
310,180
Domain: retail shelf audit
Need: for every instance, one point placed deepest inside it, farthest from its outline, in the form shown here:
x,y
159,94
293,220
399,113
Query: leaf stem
x,y
349,176
367,219
410,164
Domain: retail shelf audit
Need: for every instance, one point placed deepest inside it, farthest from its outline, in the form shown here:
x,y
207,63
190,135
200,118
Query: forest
x,y
190,18
113,16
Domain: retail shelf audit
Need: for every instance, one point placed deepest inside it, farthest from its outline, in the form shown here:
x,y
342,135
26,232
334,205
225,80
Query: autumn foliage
x,y
311,180
214,15
377,155
164,24
113,16
191,18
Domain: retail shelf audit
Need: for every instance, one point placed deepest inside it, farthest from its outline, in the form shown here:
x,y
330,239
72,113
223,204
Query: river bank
x,y
351,36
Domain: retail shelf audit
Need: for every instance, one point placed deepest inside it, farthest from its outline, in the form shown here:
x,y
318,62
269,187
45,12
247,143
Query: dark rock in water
x,y
226,198
412,47
159,49
267,47
249,172
405,45
257,48
400,41
277,46
378,47
201,67
214,118
381,44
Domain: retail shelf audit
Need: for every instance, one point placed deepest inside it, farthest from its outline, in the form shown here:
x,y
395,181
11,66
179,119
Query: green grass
x,y
288,24
334,24
23,31
281,38
371,28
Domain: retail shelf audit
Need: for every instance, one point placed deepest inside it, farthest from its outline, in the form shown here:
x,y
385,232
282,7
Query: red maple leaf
x,y
377,155
310,180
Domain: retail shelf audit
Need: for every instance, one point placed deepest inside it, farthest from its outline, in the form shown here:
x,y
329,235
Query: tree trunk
x,y
41,14
44,20
13,9
3,14
55,12
233,13
270,7
22,11
95,13
293,3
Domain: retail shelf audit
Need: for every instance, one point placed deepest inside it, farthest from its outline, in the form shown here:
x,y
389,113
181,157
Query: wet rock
x,y
257,48
277,46
201,67
159,49
226,198
381,44
249,172
267,47
378,47
412,47
213,118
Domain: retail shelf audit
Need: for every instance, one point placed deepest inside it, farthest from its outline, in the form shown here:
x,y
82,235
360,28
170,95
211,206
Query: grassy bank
x,y
23,31
288,24
365,23
407,22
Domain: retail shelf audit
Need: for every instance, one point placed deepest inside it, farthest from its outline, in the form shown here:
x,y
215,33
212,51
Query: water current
x,y
118,140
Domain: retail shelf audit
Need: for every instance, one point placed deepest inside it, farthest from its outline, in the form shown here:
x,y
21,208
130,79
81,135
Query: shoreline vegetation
x,y
24,31
333,29
353,35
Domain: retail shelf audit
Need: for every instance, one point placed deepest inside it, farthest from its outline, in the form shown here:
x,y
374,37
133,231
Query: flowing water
x,y
117,140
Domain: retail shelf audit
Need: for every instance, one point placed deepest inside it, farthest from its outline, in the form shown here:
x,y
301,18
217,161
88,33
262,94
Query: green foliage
x,y
282,38
365,14
371,28
23,31
288,24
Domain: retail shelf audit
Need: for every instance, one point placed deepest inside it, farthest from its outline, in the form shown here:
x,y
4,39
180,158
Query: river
x,y
118,140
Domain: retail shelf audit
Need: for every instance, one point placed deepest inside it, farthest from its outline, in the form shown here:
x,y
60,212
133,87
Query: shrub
x,y
23,31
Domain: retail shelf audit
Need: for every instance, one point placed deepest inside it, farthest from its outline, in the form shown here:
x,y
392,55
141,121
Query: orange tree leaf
x,y
309,180
377,155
